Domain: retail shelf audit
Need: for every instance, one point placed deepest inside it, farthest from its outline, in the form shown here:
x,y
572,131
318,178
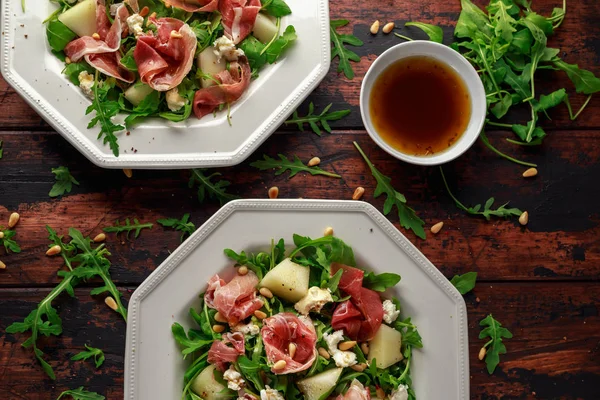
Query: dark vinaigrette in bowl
x,y
420,106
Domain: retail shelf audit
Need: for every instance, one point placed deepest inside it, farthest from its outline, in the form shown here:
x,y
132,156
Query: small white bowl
x,y
449,57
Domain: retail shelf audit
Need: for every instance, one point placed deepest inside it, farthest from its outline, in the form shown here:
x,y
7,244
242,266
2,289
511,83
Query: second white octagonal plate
x,y
35,73
154,368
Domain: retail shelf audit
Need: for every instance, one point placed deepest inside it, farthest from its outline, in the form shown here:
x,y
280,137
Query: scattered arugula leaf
x,y
407,216
276,8
105,110
313,120
97,354
435,33
464,283
380,282
339,50
59,35
585,82
284,164
214,190
81,394
128,227
64,181
183,225
10,245
494,347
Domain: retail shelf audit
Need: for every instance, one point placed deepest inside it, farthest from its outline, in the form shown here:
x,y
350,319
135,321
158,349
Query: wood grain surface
x,y
541,281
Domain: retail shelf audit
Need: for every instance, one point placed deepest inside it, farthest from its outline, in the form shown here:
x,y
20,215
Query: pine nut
x,y
359,367
314,161
2,265
109,301
13,219
144,11
218,328
101,237
273,192
259,314
524,218
176,35
292,350
220,318
266,292
67,60
482,353
279,365
324,353
380,393
1,235
388,27
243,270
347,345
128,172
365,348
153,15
54,250
531,172
437,228
358,193
328,231
96,36
375,27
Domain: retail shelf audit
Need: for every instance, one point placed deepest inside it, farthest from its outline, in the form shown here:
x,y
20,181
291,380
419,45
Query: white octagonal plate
x,y
35,73
154,368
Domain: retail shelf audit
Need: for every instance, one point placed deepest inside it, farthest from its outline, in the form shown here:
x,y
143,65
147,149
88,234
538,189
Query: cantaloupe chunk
x,y
208,63
205,385
318,385
81,18
136,93
264,29
287,280
384,348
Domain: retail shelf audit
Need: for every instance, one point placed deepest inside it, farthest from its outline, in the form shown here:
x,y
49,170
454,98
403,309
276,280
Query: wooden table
x,y
542,281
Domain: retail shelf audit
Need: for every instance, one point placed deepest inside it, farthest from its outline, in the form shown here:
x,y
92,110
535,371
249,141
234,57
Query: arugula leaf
x,y
81,394
73,70
276,8
334,250
1,149
105,110
128,227
339,50
10,245
279,45
283,164
584,81
97,354
464,283
253,49
314,120
551,100
380,282
214,190
187,90
334,281
148,106
59,35
407,216
472,21
183,225
64,182
494,347
128,61
435,33
259,263
191,342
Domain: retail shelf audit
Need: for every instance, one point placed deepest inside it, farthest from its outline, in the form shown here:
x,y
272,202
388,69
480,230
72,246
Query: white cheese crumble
x,y
86,82
224,47
174,100
234,379
341,358
135,22
390,313
270,394
399,394
314,300
247,329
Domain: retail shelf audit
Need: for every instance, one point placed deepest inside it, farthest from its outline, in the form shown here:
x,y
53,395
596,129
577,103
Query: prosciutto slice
x,y
102,53
361,316
282,329
165,58
239,17
232,85
196,5
356,391
226,350
235,300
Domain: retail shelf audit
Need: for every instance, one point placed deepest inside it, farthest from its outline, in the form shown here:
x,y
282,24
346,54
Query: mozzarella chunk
x,y
270,394
341,358
390,313
135,22
234,379
399,394
86,82
225,48
174,100
247,329
314,300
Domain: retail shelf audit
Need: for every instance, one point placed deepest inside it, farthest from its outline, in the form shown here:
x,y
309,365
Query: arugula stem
x,y
574,117
485,141
403,37
407,367
273,38
458,203
498,124
533,121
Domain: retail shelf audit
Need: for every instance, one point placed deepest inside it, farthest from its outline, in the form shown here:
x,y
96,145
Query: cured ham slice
x,y
233,83
165,58
361,316
226,350
235,300
356,391
282,329
239,17
102,53
196,5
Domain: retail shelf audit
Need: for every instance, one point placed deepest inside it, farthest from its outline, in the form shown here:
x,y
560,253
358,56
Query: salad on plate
x,y
165,59
304,324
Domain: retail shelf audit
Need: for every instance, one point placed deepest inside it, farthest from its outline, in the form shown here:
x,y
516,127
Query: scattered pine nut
x,y
375,28
266,292
328,231
380,393
96,36
482,353
524,218
109,301
67,60
358,193
279,365
531,172
324,353
437,227
347,345
144,11
101,237
128,172
218,328
2,265
359,367
292,350
365,348
13,219
219,317
54,250
388,27
259,314
273,192
1,235
176,35
314,161
243,270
